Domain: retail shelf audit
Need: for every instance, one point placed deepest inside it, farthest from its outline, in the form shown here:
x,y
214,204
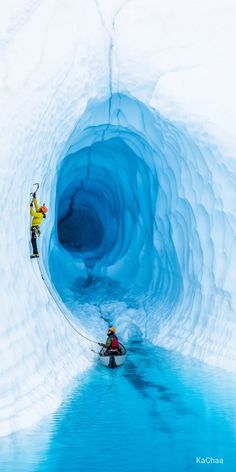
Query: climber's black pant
x,y
34,233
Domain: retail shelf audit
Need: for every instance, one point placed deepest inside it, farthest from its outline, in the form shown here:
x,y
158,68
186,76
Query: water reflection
x,y
160,410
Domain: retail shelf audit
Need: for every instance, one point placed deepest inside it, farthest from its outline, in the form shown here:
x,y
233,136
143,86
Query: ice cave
x,y
127,121
135,203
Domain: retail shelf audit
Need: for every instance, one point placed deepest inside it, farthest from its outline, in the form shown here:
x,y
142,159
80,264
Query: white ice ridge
x,y
128,107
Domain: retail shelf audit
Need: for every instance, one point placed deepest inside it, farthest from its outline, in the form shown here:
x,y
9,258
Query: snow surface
x,y
124,111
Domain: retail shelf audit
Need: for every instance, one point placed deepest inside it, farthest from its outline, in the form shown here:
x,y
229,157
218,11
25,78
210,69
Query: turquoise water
x,y
160,411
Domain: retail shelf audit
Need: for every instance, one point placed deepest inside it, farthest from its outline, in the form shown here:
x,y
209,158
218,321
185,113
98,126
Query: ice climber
x,y
38,215
112,343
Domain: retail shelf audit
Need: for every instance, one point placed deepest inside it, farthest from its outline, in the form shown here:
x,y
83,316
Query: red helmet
x,y
43,208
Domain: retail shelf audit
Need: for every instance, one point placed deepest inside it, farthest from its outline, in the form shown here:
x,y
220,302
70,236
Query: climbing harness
x,y
35,230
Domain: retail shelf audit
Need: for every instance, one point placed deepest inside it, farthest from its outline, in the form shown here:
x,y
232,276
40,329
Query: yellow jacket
x,y
36,214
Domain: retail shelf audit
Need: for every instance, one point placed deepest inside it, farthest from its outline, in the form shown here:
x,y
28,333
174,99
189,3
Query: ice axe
x,y
37,187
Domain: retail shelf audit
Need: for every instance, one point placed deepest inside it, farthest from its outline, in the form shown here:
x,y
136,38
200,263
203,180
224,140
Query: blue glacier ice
x,y
135,204
126,116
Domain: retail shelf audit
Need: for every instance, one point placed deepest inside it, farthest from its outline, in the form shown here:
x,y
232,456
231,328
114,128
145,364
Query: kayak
x,y
114,358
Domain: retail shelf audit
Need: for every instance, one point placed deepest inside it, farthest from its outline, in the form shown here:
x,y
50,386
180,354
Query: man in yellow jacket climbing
x,y
38,214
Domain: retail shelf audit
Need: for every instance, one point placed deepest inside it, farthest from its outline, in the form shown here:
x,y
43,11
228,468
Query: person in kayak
x,y
112,343
38,214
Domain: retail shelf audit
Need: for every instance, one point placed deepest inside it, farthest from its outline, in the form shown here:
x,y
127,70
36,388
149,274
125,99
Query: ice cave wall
x,y
59,67
166,229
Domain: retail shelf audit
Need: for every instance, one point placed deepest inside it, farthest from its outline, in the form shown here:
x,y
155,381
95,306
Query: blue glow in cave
x,y
132,204
111,208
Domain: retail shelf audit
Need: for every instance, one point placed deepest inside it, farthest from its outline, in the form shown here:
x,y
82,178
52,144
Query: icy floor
x,y
160,411
95,300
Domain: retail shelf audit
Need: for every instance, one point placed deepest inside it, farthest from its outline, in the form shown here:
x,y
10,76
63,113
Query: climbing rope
x,y
61,310
51,292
